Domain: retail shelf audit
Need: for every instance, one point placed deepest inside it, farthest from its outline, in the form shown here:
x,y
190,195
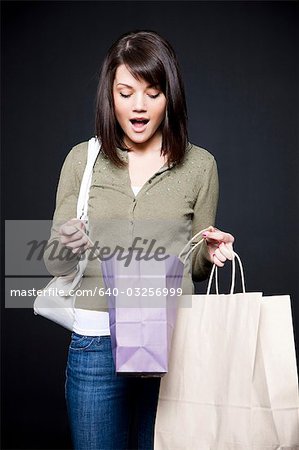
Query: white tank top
x,y
94,323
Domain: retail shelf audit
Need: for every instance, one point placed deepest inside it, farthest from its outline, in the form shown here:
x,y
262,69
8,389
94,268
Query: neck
x,y
151,146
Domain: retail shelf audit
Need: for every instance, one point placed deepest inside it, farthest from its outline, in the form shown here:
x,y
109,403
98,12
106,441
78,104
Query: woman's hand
x,y
220,245
71,236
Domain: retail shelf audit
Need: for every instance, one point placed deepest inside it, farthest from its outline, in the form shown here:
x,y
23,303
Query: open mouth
x,y
139,125
139,122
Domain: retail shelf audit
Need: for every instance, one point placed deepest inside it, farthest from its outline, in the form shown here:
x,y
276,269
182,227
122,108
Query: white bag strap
x,y
82,204
194,246
215,270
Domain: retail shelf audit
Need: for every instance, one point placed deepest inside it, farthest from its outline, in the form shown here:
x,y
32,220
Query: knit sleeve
x,y
58,259
205,209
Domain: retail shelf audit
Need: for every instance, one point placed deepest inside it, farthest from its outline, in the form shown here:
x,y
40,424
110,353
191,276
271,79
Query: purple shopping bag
x,y
142,311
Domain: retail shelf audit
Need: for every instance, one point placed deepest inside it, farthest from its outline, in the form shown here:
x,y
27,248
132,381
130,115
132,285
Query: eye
x,y
155,96
128,95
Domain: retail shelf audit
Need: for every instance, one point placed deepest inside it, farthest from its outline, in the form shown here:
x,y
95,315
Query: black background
x,y
239,62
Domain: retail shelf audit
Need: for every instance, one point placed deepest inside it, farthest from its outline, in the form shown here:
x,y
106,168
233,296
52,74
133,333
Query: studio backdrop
x,y
239,62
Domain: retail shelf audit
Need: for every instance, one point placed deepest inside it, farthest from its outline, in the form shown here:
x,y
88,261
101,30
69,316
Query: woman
x,y
148,182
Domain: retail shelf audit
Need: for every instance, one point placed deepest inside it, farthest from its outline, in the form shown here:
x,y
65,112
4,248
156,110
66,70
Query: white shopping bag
x,y
232,380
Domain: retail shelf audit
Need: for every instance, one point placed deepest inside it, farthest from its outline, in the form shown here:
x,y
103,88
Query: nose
x,y
139,103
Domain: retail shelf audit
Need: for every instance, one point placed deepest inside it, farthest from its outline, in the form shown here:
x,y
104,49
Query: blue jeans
x,y
107,411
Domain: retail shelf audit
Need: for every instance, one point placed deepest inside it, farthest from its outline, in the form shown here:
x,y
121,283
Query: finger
x,y
77,244
219,236
219,255
68,230
211,228
82,231
90,243
71,230
212,244
77,251
71,227
78,223
217,262
80,250
226,250
65,238
85,247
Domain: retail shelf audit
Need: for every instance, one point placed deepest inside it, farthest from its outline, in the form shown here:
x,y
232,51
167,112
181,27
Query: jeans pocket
x,y
79,342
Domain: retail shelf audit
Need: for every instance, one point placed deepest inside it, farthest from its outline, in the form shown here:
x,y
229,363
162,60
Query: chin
x,y
138,139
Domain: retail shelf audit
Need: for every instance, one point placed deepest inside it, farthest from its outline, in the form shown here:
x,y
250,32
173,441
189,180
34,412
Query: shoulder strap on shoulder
x,y
92,153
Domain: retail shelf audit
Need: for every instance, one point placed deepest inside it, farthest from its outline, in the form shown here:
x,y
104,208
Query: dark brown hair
x,y
150,57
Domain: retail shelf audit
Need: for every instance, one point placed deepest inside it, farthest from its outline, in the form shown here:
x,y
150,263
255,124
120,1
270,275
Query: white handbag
x,y
60,308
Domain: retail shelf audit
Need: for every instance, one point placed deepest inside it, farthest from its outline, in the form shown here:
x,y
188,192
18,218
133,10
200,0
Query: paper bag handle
x,y
194,246
236,256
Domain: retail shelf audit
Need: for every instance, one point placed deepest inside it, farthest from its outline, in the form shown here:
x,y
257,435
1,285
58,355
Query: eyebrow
x,y
127,85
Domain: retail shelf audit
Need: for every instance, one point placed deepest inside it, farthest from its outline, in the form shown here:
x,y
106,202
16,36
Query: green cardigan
x,y
170,208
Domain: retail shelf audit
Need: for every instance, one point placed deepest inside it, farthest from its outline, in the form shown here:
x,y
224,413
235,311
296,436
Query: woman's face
x,y
135,99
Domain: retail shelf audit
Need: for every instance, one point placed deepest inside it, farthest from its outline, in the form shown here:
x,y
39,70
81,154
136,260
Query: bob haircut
x,y
149,57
